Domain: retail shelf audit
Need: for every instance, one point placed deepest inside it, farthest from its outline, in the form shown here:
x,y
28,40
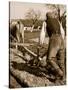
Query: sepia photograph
x,y
37,44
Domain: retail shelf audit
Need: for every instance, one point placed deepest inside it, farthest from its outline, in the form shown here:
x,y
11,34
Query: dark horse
x,y
15,34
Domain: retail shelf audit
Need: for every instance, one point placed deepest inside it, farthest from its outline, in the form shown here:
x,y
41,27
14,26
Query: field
x,y
33,37
23,73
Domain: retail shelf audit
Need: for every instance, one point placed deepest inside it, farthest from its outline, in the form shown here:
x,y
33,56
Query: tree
x,y
57,8
33,15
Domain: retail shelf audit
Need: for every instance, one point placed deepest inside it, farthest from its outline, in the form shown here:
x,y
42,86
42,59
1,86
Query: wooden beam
x,y
18,54
20,44
13,37
29,51
32,53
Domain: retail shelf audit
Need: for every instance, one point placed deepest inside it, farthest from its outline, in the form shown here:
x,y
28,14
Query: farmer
x,y
56,50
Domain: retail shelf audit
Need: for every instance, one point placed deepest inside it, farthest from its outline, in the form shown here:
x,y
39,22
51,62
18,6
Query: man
x,y
56,50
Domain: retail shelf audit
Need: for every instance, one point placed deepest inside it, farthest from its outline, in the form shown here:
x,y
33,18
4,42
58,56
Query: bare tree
x,y
33,15
57,7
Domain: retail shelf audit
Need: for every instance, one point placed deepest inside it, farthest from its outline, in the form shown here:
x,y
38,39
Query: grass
x,y
35,34
30,35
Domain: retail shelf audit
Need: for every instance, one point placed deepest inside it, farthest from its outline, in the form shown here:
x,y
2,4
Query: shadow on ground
x,y
31,69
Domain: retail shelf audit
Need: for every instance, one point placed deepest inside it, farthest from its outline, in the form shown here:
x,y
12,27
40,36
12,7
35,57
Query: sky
x,y
18,10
